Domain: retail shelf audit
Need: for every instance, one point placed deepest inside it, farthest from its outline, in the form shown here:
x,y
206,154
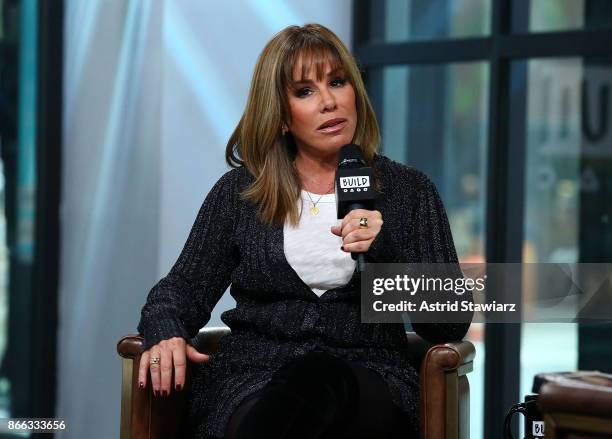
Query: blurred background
x,y
113,120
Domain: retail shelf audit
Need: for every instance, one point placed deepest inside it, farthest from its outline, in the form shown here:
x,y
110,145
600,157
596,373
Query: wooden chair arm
x,y
444,399
130,346
144,416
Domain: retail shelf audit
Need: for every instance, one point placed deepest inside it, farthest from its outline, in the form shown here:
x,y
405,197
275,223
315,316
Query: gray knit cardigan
x,y
277,316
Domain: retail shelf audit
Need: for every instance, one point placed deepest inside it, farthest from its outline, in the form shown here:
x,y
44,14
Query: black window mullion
x,y
505,46
423,52
503,228
587,43
47,230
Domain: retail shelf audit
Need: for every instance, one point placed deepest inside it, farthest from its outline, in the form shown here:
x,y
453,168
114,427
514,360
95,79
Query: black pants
x,y
320,396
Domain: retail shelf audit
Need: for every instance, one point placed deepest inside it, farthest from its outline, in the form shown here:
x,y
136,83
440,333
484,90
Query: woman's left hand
x,y
358,239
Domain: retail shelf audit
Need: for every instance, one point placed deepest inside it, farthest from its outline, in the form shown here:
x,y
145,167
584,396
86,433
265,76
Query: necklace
x,y
314,210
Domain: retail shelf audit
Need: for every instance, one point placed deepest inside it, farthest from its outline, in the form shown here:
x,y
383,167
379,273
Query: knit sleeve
x,y
424,238
181,303
435,245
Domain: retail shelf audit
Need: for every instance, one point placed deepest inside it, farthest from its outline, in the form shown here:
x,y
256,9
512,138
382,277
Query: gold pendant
x,y
314,210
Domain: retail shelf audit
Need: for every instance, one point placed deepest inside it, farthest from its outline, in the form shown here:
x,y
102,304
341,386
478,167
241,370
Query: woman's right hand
x,y
170,354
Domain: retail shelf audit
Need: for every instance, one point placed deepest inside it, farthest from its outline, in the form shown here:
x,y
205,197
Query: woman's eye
x,y
302,92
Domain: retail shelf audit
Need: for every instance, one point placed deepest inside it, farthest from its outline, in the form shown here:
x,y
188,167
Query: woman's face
x,y
323,113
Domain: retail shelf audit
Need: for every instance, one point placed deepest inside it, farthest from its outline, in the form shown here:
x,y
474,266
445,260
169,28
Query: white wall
x,y
110,200
152,91
209,59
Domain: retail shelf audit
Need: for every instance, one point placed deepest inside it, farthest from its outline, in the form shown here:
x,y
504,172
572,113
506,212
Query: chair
x,y
444,398
577,406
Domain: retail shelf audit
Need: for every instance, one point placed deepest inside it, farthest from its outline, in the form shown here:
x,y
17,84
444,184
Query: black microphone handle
x,y
359,257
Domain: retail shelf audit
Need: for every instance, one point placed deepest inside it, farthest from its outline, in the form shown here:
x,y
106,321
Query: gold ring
x,y
155,360
363,223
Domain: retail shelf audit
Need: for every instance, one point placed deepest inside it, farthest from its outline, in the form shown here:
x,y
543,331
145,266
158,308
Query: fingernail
x,y
156,393
342,248
179,387
141,385
165,393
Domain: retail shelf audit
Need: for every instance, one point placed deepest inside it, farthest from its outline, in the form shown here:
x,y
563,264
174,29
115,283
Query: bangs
x,y
311,56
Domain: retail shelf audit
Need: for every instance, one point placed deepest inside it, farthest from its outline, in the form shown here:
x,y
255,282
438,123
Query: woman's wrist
x,y
157,330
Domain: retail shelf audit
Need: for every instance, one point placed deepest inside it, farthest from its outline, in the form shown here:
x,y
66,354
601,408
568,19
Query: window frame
x,y
504,202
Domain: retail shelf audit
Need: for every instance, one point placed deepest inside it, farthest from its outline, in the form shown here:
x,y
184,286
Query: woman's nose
x,y
328,100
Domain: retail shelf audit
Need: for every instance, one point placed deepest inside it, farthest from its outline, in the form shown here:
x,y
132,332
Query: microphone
x,y
353,188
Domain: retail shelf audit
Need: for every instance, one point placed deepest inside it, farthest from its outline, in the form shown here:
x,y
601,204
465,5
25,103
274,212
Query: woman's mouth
x,y
334,128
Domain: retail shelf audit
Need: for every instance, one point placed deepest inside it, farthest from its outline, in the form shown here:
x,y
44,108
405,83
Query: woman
x,y
298,362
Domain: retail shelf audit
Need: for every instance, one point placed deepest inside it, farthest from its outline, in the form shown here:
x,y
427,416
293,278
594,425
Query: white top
x,y
313,251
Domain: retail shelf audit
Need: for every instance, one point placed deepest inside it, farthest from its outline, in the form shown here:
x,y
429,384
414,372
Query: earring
x,y
284,129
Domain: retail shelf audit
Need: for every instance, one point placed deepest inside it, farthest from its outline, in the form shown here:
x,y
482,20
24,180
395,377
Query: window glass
x,y
413,20
18,91
564,120
561,15
435,119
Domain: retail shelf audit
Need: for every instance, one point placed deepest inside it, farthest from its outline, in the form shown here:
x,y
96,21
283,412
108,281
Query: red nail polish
x,y
165,393
179,387
156,393
141,385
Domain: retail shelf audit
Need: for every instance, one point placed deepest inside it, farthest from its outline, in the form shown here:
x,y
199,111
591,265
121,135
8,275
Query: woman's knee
x,y
315,389
269,414
319,378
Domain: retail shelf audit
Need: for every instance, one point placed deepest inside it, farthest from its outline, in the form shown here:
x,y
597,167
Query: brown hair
x,y
257,141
